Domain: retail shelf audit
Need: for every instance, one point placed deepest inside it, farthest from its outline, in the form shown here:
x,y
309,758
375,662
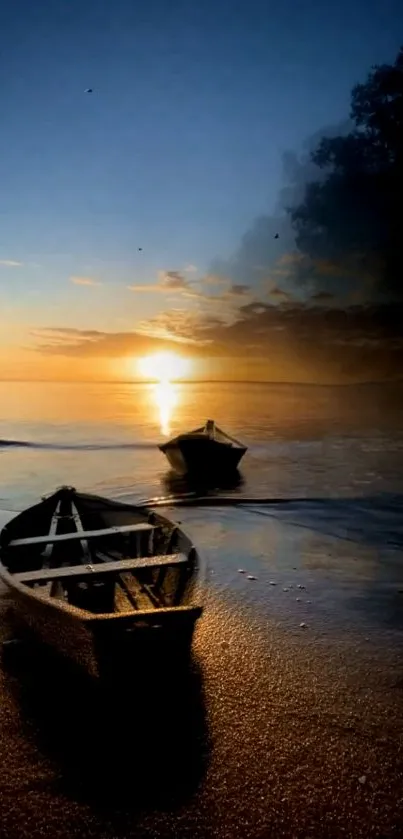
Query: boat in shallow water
x,y
206,450
89,575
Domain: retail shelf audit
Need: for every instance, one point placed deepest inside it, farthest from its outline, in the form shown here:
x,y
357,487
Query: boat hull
x,y
96,643
79,618
202,456
61,630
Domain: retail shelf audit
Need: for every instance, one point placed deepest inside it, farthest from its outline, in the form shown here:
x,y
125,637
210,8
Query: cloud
x,y
302,342
149,337
168,281
64,333
239,289
323,297
88,281
214,279
232,290
289,341
190,269
172,280
208,292
83,343
145,288
290,258
306,323
196,295
10,263
179,325
280,295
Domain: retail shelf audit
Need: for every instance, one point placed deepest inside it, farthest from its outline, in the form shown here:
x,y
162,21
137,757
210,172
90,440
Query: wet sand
x,y
277,730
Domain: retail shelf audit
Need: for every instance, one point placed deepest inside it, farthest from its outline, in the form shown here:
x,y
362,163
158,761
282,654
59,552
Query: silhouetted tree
x,y
354,216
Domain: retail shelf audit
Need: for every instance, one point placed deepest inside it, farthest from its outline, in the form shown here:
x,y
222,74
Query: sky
x,y
180,152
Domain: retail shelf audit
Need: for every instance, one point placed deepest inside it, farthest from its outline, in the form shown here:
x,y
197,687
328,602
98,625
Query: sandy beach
x,y
278,729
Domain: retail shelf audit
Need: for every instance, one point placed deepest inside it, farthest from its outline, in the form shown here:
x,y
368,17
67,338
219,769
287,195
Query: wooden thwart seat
x,y
79,534
98,569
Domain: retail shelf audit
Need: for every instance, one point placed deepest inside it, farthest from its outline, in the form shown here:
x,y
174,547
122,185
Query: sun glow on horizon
x,y
164,367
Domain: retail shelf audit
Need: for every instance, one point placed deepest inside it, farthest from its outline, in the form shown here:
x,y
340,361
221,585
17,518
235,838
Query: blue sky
x,y
177,150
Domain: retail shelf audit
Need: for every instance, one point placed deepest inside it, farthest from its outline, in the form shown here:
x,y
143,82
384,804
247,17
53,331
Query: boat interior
x,y
122,566
213,432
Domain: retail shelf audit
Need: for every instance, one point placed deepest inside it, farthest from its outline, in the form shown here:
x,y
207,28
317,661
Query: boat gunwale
x,y
201,432
86,617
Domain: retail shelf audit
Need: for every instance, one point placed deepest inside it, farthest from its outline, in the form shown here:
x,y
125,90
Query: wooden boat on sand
x,y
206,450
89,575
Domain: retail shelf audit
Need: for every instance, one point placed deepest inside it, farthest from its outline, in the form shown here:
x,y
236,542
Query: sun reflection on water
x,y
165,367
166,398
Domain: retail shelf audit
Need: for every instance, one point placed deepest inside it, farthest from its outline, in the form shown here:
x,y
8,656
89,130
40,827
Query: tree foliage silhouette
x,y
354,216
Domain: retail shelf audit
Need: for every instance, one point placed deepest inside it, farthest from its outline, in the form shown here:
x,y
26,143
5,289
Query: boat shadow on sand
x,y
137,738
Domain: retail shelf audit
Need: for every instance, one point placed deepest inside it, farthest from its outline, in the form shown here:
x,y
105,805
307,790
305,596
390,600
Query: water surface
x,y
303,440
337,451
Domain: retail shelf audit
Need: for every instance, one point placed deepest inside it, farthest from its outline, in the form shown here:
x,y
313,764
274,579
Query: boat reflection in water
x,y
178,484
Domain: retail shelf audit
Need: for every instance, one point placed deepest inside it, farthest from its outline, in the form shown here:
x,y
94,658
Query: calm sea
x,y
304,441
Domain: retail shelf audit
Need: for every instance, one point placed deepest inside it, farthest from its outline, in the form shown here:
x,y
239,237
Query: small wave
x,y
27,444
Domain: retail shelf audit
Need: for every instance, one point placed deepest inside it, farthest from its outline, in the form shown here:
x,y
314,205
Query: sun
x,y
163,366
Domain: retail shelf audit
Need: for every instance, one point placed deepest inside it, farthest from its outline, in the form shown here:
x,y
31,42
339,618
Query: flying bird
x,y
140,249
88,90
276,236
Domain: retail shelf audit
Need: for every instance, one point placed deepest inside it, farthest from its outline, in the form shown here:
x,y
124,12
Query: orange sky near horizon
x,y
30,367
125,369
258,341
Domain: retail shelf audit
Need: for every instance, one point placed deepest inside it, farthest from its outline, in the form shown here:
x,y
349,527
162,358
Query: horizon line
x,y
395,380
